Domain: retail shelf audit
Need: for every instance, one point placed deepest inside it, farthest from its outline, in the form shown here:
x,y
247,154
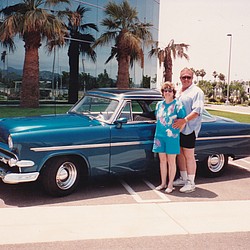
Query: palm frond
x,y
111,24
55,2
88,26
113,54
105,38
20,7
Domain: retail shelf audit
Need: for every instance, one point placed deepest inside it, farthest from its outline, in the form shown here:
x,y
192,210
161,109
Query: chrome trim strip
x,y
54,148
222,137
101,145
120,144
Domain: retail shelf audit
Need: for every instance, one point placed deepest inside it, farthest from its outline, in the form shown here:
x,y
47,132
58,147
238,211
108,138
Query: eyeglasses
x,y
186,77
167,90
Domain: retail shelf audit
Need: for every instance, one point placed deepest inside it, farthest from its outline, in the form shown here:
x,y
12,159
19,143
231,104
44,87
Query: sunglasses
x,y
167,90
186,77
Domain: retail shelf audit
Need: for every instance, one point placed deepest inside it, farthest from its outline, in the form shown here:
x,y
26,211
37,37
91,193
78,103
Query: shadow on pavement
x,y
108,190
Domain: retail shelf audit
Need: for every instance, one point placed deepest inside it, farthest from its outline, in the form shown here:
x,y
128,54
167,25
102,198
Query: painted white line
x,y
247,161
238,165
138,199
131,191
163,196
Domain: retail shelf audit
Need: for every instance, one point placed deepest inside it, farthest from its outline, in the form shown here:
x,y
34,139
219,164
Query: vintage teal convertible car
x,y
108,131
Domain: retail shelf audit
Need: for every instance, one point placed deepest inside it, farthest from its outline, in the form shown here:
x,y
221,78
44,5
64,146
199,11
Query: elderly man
x,y
192,98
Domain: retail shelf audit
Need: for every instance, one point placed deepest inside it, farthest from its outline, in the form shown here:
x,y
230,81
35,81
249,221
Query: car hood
x,y
224,119
45,122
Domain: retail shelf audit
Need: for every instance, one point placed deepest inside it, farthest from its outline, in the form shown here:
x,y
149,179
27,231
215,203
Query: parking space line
x,y
238,165
244,160
131,191
163,196
137,198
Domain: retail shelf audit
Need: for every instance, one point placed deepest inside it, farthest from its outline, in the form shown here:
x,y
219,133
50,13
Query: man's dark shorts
x,y
187,141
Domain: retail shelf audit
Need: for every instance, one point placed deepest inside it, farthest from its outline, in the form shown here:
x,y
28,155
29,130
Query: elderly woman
x,y
167,138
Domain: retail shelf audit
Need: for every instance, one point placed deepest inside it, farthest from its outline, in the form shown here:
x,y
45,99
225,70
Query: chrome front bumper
x,y
14,178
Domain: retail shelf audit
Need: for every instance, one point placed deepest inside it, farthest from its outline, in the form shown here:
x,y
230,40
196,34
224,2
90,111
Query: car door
x,y
131,143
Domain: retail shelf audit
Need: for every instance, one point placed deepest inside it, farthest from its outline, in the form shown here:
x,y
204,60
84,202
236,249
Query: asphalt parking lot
x,y
126,208
233,185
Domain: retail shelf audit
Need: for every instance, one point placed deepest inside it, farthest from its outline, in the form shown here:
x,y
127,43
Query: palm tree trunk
x,y
168,75
168,66
30,81
73,54
123,72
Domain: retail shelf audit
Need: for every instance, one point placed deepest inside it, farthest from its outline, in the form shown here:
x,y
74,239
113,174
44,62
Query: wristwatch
x,y
186,119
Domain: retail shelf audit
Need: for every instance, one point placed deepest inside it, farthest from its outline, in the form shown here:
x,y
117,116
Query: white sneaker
x,y
188,187
179,182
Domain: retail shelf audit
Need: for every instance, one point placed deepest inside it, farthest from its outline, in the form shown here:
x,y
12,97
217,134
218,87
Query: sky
x,y
204,25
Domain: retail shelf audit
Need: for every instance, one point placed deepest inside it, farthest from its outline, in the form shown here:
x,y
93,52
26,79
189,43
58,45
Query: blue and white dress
x,y
167,139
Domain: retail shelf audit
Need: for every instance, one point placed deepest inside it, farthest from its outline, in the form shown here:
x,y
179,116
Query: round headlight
x,y
10,142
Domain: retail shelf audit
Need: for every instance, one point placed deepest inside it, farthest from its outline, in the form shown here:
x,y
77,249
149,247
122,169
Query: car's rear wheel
x,y
214,165
61,176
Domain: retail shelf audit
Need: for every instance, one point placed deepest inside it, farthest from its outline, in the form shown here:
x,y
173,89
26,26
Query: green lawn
x,y
238,117
17,111
56,109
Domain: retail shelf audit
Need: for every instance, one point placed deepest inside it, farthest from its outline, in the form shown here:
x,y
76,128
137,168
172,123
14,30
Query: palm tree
x,y
222,77
215,85
202,73
128,33
215,74
80,42
33,24
222,85
197,73
173,50
3,59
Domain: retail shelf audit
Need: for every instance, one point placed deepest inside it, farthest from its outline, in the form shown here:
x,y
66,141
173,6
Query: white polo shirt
x,y
193,101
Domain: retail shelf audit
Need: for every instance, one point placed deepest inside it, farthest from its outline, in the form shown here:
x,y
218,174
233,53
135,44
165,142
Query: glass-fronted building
x,y
58,62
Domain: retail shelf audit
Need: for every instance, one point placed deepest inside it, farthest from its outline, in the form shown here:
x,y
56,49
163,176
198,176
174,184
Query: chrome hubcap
x,y
216,162
66,175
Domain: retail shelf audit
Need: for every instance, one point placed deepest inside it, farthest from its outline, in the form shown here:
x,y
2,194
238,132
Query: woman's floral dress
x,y
167,139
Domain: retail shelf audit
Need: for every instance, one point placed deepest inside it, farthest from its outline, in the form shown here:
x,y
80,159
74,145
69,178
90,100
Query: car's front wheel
x,y
61,176
214,165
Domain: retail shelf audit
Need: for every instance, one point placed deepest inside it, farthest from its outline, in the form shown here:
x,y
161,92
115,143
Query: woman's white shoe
x,y
160,187
169,190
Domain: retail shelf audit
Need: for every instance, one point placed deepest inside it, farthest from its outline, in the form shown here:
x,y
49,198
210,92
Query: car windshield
x,y
98,107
